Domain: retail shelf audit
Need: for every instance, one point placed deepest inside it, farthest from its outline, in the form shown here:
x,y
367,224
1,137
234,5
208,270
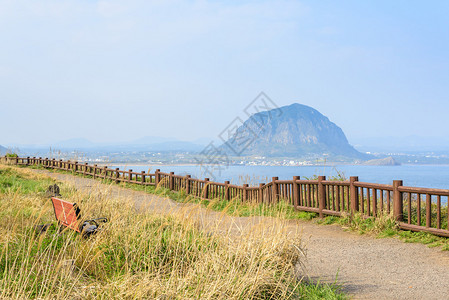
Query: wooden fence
x,y
416,209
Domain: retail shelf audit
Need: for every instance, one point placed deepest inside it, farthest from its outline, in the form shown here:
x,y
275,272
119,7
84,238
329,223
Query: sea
x,y
428,176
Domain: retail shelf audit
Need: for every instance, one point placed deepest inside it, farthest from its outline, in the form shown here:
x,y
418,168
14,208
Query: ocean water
x,y
429,176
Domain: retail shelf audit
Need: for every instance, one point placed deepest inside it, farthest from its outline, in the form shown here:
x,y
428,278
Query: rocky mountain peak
x,y
295,130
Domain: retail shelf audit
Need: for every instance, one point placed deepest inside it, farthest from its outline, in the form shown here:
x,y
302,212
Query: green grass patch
x,y
424,238
317,291
12,181
384,226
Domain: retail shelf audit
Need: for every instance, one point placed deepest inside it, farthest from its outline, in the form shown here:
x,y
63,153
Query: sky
x,y
113,71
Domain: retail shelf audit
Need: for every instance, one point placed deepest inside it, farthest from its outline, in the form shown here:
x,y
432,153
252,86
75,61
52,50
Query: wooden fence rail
x,y
416,209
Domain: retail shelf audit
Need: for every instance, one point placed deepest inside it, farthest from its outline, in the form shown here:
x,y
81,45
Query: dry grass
x,y
137,254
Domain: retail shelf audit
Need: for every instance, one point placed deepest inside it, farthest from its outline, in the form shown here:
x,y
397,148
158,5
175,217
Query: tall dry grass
x,y
139,254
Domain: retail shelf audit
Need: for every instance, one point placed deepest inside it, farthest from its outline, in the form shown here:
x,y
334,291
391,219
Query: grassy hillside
x,y
137,254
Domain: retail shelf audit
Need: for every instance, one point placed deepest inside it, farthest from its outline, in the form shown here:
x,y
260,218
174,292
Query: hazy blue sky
x,y
120,70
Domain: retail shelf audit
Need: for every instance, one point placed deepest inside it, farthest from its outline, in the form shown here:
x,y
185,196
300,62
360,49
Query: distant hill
x,y
387,161
77,143
291,131
154,143
151,140
148,143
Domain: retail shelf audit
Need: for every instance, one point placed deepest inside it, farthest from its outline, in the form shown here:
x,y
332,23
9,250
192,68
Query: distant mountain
x,y
291,131
77,143
206,140
149,143
175,146
149,140
387,161
3,150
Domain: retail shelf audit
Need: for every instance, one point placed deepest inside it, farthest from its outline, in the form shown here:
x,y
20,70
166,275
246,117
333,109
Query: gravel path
x,y
365,267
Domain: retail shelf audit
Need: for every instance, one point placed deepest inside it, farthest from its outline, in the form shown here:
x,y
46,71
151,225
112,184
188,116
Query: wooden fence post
x,y
260,194
227,194
95,171
171,181
321,195
157,177
354,194
142,177
206,188
428,210
275,189
245,193
397,200
117,175
130,175
187,184
295,187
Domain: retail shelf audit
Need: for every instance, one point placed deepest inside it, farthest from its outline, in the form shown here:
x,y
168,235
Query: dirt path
x,y
367,268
